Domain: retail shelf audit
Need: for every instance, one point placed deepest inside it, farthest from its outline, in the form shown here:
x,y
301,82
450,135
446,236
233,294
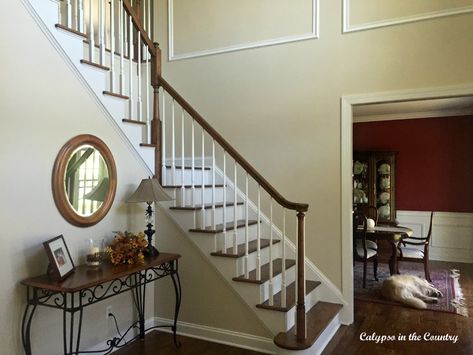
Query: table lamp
x,y
149,191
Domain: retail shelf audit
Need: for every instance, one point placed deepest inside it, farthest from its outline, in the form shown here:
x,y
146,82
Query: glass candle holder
x,y
94,252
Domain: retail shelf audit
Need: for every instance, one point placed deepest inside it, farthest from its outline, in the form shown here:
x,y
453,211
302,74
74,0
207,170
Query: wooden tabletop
x,y
86,276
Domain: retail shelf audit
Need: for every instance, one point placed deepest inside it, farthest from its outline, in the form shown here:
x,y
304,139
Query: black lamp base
x,y
150,250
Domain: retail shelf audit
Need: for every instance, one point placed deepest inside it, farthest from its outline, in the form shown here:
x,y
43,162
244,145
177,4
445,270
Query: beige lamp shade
x,y
149,191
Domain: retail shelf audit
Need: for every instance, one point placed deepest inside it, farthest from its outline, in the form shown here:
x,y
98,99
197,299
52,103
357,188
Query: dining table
x,y
389,235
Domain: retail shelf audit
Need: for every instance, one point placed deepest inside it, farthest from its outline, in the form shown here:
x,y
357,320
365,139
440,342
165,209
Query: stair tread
x,y
65,28
148,145
114,94
206,206
290,297
93,64
317,320
277,269
189,167
189,186
264,243
219,227
127,120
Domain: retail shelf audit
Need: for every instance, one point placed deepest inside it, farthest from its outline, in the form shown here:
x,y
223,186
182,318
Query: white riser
x,y
280,320
209,219
177,180
239,263
188,192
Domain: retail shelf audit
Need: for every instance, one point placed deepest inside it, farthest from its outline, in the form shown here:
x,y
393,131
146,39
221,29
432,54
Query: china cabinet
x,y
374,183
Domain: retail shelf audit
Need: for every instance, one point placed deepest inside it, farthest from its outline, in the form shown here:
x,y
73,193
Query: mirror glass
x,y
86,180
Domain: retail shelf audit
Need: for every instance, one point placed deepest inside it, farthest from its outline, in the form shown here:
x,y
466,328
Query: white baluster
x,y
139,101
68,14
163,139
183,190
112,45
102,32
130,67
80,16
173,144
91,32
235,204
213,196
258,238
149,30
224,249
121,41
283,274
247,230
213,184
148,93
271,272
193,165
203,179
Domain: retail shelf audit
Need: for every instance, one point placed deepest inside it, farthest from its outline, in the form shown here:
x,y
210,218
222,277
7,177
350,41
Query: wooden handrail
x,y
139,27
301,207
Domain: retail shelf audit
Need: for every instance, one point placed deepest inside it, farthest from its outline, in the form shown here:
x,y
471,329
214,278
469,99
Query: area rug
x,y
447,281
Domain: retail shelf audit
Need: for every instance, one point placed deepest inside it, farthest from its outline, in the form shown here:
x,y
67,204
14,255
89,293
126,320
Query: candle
x,y
93,253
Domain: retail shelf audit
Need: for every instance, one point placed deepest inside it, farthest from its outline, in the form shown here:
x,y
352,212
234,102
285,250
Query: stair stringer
x,y
71,48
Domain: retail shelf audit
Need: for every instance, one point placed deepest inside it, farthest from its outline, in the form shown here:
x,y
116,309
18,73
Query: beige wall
x,y
280,105
42,105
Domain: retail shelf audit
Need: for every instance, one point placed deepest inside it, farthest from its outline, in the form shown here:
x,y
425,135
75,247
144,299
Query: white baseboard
x,y
221,336
211,334
452,233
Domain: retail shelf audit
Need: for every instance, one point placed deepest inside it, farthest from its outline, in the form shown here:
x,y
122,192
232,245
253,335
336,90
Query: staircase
x,y
222,204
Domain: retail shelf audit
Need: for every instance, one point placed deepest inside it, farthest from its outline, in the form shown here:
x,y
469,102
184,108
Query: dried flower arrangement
x,y
127,248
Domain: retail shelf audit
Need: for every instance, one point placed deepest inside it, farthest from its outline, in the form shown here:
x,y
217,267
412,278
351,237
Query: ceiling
x,y
446,107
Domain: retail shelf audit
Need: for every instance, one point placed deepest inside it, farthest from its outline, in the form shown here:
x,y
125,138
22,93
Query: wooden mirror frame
x,y
58,186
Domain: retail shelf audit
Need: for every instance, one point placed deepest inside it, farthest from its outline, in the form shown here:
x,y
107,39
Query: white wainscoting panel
x,y
312,14
452,233
447,9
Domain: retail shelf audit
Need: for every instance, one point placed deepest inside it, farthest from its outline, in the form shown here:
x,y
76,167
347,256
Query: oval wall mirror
x,y
84,180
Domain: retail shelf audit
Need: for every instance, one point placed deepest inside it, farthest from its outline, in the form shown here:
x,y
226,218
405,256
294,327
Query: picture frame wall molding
x,y
348,27
172,56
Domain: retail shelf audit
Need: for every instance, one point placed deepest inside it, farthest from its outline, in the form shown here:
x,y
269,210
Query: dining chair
x,y
407,253
364,250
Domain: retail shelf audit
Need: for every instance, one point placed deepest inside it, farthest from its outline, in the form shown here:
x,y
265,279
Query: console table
x,y
87,286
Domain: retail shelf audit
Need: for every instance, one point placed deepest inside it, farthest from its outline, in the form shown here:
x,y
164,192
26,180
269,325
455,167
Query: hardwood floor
x,y
159,343
369,318
393,320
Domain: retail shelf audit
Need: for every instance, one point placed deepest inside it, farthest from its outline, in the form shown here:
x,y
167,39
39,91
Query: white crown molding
x,y
347,27
314,34
413,115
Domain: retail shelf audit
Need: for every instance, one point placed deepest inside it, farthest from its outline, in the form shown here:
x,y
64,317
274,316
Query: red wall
x,y
434,166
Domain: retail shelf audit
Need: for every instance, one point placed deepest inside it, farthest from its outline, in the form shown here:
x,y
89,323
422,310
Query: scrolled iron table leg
x,y
177,289
26,324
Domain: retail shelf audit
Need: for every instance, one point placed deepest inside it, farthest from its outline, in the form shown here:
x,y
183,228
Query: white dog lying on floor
x,y
410,290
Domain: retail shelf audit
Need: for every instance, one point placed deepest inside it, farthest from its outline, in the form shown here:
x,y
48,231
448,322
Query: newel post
x,y
301,331
156,121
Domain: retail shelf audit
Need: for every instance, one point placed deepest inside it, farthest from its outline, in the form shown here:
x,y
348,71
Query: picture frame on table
x,y
61,264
